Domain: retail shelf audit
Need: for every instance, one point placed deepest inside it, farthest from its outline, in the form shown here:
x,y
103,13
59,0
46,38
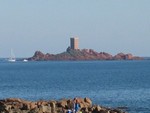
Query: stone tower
x,y
74,43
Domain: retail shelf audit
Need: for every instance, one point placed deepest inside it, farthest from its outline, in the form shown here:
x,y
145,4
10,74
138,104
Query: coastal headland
x,y
16,105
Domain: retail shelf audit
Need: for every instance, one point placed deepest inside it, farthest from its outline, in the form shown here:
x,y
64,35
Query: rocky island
x,y
85,54
74,53
16,105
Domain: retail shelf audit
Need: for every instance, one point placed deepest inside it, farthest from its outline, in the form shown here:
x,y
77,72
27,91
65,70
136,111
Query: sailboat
x,y
12,57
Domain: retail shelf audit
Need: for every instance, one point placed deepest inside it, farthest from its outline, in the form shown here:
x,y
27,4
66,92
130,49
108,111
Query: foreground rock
x,y
14,105
85,54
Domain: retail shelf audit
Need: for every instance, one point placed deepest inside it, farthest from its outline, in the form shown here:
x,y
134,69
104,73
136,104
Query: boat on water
x,y
12,60
12,57
25,60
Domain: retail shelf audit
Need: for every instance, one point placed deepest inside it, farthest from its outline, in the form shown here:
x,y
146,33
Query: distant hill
x,y
85,54
146,58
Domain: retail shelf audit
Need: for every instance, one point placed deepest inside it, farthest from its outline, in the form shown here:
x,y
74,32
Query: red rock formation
x,y
122,56
85,54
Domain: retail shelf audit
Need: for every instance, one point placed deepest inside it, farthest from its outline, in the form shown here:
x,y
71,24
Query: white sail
x,y
12,57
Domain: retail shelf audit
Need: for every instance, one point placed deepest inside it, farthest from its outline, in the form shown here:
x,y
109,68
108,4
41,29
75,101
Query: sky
x,y
111,26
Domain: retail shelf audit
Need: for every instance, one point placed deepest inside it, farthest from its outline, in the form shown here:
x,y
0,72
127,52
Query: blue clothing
x,y
69,111
76,107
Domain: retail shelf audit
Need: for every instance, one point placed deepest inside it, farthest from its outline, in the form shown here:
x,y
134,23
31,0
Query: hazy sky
x,y
112,26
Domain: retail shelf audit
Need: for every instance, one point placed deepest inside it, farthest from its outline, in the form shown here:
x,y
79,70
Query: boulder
x,y
33,105
45,109
22,106
62,103
88,101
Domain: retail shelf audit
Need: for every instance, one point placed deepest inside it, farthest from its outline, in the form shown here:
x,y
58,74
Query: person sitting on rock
x,y
76,105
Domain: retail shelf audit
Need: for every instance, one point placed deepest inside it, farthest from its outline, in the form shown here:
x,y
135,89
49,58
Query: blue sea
x,y
107,83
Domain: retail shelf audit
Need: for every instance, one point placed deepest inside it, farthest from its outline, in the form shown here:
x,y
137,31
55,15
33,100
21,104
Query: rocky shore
x,y
84,54
16,105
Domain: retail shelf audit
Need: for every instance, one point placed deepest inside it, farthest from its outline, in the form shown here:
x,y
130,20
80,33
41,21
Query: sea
x,y
123,84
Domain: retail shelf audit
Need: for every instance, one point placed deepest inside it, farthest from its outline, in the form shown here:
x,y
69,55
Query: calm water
x,y
108,83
